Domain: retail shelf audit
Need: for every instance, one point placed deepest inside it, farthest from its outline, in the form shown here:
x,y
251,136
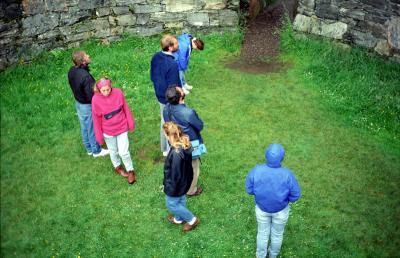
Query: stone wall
x,y
373,24
28,27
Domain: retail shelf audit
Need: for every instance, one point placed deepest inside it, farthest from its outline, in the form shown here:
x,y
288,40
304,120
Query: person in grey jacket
x,y
187,118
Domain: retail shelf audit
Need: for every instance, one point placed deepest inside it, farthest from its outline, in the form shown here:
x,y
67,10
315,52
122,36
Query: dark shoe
x,y
198,192
131,177
121,171
170,218
187,227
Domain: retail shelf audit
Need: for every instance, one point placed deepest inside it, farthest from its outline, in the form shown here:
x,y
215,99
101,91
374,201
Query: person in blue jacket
x,y
164,72
187,44
273,187
187,118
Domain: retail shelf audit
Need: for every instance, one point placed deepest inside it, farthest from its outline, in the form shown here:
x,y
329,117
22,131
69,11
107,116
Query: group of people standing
x,y
105,116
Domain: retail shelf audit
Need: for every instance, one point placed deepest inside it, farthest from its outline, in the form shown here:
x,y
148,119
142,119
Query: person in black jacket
x,y
178,175
82,83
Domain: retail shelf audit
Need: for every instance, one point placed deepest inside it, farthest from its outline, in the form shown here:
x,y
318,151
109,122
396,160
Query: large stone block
x,y
39,23
382,48
78,37
198,19
128,2
126,20
101,24
74,15
145,8
83,26
57,6
364,39
142,19
103,11
215,4
49,34
146,31
180,6
167,17
174,25
32,7
120,10
228,18
334,30
327,10
308,5
89,4
394,33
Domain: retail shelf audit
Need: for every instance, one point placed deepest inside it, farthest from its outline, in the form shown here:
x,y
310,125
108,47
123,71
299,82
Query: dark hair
x,y
172,95
199,43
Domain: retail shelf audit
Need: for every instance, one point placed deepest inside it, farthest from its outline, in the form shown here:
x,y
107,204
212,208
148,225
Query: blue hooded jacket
x,y
272,185
185,49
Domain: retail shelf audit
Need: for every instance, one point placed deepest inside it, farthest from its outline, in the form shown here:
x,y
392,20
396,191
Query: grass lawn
x,y
336,111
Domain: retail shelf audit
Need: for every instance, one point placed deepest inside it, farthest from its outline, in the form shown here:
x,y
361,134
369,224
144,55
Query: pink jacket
x,y
111,115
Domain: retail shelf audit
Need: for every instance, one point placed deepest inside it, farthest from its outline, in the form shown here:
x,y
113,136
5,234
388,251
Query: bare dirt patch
x,y
260,48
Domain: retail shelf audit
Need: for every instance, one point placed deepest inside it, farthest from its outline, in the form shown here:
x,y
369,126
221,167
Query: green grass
x,y
56,201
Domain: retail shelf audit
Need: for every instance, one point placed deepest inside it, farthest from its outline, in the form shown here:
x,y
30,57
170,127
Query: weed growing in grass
x,y
57,201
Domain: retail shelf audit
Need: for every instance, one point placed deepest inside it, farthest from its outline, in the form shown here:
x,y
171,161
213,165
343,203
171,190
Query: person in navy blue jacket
x,y
187,43
273,187
163,73
187,118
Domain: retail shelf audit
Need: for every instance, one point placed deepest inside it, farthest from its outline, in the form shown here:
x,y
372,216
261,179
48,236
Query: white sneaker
x,y
165,153
187,86
102,153
89,154
185,91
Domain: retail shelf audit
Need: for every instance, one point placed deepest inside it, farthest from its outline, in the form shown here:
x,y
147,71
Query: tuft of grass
x,y
58,202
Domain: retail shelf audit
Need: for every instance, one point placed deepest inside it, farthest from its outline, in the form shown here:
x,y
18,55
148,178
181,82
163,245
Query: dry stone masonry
x,y
28,27
373,24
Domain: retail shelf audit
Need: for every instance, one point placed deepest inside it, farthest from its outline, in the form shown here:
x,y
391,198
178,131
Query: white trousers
x,y
119,149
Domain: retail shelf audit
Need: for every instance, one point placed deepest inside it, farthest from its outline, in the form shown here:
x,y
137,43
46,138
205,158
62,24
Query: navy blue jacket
x,y
178,172
272,185
186,117
164,72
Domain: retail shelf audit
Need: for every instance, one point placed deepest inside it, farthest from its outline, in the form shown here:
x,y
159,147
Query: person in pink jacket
x,y
112,120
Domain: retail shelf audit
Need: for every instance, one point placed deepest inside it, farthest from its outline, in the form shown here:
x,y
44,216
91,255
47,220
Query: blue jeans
x,y
85,119
177,206
182,77
270,224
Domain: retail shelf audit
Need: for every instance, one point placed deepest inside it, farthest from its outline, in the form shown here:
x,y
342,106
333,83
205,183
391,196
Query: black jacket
x,y
81,82
178,172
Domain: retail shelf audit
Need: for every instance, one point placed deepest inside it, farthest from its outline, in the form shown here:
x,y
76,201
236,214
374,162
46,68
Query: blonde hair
x,y
175,135
167,41
78,58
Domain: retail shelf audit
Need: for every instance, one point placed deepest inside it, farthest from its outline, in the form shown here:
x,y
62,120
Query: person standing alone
x,y
273,188
82,83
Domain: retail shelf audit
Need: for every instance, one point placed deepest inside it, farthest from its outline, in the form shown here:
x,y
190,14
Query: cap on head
x,y
103,83
274,155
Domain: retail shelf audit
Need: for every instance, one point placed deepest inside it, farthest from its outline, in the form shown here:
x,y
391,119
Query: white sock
x,y
192,221
177,221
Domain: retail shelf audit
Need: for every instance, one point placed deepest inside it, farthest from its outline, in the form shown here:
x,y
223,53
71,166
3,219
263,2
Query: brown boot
x,y
131,177
120,170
